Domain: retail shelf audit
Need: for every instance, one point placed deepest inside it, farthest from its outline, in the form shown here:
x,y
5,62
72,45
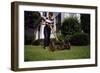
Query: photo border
x,y
15,34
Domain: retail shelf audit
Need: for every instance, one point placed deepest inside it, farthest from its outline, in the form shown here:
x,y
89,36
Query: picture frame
x,y
18,23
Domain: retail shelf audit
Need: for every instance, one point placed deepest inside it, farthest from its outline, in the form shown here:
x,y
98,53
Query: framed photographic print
x,y
52,36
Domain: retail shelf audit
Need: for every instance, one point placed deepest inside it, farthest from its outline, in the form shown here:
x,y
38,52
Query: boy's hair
x,y
51,13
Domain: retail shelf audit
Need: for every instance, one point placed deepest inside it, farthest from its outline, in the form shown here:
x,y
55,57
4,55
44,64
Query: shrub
x,y
29,36
61,37
36,42
70,25
80,39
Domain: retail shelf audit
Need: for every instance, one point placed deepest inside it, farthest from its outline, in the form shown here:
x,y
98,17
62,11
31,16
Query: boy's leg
x,y
46,38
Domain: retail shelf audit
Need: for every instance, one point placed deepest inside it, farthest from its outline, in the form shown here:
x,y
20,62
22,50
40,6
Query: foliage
x,y
80,39
70,25
72,30
29,36
68,37
36,42
32,20
61,38
85,22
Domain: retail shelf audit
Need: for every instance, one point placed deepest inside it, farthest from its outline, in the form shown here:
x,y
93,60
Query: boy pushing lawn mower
x,y
53,44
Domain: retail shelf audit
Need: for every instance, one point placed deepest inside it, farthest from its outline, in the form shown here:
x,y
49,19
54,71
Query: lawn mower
x,y
57,44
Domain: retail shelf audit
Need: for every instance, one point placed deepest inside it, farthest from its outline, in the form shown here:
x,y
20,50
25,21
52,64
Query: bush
x,y
70,25
61,37
36,42
29,36
28,40
80,39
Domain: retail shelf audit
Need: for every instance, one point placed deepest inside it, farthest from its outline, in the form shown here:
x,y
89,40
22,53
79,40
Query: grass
x,y
37,53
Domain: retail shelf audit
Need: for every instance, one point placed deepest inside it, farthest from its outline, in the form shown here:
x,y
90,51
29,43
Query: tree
x,y
85,22
32,21
70,25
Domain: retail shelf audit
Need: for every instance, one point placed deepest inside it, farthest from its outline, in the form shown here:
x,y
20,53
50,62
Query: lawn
x,y
37,53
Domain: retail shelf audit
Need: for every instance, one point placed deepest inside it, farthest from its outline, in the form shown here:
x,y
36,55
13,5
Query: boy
x,y
49,21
